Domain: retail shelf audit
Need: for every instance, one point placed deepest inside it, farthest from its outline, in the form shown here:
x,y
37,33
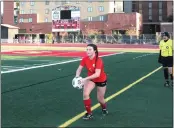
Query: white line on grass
x,y
143,55
47,65
12,67
7,66
25,60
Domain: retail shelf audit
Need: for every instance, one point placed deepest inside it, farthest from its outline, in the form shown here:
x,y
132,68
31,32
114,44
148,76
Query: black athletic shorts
x,y
167,61
101,84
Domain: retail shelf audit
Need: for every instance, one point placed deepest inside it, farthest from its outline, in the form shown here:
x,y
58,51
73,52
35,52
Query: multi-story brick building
x,y
36,17
43,9
154,13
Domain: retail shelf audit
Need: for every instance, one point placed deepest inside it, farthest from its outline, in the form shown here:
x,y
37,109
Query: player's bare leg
x,y
88,87
100,96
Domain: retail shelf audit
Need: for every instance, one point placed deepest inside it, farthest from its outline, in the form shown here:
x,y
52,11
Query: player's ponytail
x,y
96,52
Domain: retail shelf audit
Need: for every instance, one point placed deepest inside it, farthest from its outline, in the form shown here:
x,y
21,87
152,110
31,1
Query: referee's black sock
x,y
166,74
171,77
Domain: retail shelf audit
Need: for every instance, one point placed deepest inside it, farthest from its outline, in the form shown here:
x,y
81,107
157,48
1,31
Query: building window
x,y
135,2
32,3
56,2
119,7
133,10
102,1
160,4
15,19
114,9
21,3
101,18
133,5
140,11
31,11
30,20
160,18
150,4
65,2
150,11
47,11
47,2
89,18
150,18
140,6
89,9
90,1
101,8
46,19
21,20
22,12
160,11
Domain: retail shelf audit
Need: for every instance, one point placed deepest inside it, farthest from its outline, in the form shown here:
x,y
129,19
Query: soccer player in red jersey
x,y
96,77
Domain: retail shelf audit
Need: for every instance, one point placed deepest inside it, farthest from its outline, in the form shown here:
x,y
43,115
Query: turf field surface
x,y
44,96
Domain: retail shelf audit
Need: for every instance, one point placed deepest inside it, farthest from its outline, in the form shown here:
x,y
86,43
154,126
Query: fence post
x,y
73,38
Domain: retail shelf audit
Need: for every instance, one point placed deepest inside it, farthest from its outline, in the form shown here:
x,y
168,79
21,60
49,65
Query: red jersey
x,y
90,66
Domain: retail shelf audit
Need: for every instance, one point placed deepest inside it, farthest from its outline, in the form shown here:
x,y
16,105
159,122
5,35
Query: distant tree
x,y
101,32
91,32
49,37
130,32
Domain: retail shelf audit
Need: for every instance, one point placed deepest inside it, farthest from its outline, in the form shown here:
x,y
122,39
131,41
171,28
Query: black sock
x,y
166,74
171,77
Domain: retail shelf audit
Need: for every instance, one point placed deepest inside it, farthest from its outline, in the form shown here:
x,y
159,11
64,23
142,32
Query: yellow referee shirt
x,y
166,48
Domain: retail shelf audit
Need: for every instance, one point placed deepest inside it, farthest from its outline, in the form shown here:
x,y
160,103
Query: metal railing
x,y
111,39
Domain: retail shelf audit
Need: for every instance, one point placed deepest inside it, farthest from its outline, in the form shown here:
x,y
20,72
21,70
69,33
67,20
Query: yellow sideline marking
x,y
72,120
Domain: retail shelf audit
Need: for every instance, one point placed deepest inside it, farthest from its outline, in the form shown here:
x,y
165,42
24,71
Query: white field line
x,y
47,65
25,60
12,67
7,66
144,55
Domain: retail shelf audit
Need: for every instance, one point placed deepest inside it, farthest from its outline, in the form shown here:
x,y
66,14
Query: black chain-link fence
x,y
103,38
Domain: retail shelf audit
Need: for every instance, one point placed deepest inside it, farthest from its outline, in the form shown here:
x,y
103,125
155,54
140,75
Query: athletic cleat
x,y
88,116
166,84
104,112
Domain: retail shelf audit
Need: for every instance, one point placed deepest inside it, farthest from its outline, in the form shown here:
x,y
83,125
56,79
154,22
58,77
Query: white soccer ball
x,y
76,83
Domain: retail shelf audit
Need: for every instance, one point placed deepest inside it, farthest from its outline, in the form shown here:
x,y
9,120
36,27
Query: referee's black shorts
x,y
167,61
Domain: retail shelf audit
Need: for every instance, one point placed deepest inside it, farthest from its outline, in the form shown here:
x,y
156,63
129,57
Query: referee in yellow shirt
x,y
166,58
